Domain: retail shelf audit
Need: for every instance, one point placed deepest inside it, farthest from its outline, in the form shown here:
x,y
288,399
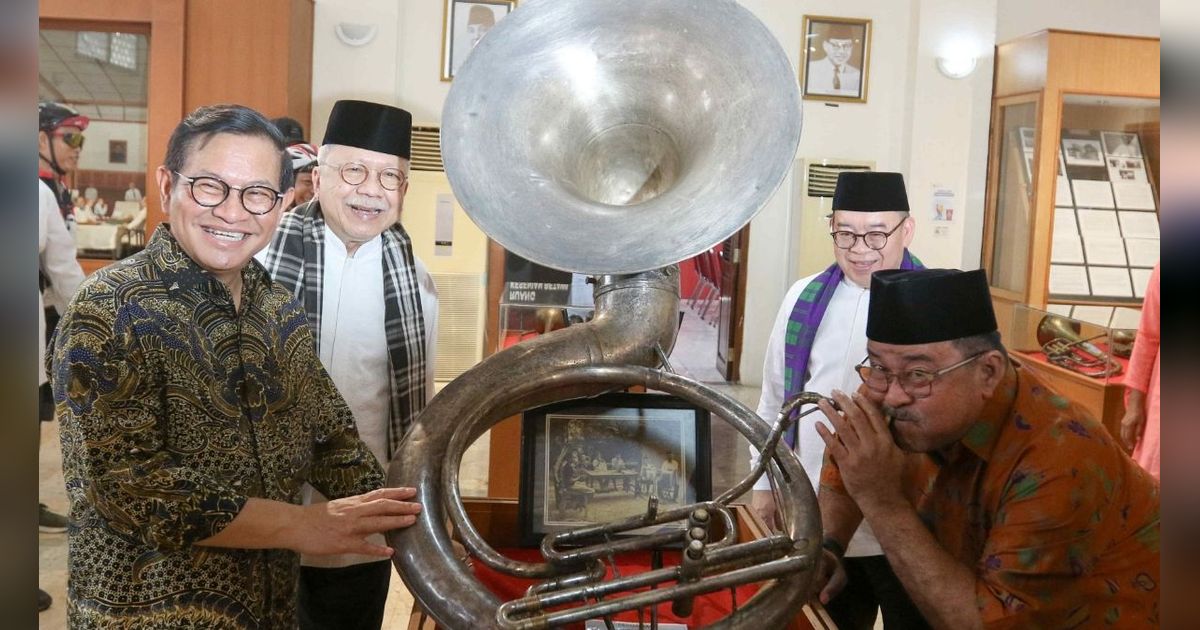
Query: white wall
x,y
1128,17
948,125
94,155
916,121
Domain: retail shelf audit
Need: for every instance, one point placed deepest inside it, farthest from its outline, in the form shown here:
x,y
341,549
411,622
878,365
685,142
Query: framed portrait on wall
x,y
118,151
465,23
836,59
598,460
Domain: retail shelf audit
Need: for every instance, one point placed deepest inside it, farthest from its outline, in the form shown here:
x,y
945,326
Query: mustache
x,y
900,413
368,203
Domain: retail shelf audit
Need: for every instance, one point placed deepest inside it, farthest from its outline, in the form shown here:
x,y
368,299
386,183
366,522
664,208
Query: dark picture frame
x,y
118,151
597,460
835,60
464,23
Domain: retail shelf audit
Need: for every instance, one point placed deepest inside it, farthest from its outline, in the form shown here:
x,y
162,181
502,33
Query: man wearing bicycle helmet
x,y
304,160
60,139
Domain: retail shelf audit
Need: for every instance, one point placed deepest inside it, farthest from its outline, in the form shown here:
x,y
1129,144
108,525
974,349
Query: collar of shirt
x,y
981,438
179,272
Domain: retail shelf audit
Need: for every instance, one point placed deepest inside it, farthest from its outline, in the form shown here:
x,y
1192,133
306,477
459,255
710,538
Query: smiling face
x,y
860,261
955,399
357,213
222,239
838,50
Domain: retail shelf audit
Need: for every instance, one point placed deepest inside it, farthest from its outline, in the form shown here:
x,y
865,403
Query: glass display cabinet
x,y
1071,228
1071,220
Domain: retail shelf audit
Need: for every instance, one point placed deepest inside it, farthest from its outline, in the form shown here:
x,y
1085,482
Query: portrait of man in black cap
x,y
836,70
373,308
996,501
818,337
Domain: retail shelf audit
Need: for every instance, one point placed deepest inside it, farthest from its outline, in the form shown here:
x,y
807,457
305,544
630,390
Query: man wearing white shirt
x,y
832,74
818,337
373,307
57,263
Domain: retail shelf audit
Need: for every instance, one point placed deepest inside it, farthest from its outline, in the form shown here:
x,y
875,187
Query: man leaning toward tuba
x,y
997,502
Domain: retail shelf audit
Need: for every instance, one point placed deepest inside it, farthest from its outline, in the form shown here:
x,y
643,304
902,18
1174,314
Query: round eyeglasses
x,y
354,174
844,239
917,383
211,192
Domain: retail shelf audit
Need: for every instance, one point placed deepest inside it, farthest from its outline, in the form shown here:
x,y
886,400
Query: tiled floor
x,y
694,355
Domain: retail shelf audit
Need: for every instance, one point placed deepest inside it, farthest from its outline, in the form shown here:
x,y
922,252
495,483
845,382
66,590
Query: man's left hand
x,y
871,464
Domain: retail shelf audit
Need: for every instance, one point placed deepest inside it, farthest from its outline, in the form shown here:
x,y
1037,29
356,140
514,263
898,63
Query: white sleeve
x,y
771,398
57,253
429,309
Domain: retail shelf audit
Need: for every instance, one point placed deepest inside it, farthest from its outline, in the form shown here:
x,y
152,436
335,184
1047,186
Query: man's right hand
x,y
763,503
830,578
342,525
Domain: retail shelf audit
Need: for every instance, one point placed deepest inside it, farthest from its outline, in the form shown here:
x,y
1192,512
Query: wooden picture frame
x,y
836,58
464,24
118,151
599,459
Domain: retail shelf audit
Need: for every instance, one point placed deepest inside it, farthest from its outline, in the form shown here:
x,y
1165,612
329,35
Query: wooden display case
x,y
1049,82
1071,221
496,521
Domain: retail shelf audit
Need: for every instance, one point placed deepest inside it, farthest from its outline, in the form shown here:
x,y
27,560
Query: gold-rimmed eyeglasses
x,y
354,174
917,383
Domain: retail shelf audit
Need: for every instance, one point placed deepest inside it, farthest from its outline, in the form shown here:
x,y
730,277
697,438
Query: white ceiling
x,y
98,89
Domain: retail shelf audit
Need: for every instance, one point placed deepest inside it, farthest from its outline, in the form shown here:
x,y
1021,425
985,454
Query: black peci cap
x,y
910,307
869,191
370,126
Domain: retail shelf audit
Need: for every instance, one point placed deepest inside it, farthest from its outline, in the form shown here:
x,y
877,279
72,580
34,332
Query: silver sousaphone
x,y
612,138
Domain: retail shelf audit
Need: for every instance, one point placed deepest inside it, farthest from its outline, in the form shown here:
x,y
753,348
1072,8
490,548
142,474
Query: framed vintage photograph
x,y
599,459
836,59
118,151
465,23
1082,152
1121,144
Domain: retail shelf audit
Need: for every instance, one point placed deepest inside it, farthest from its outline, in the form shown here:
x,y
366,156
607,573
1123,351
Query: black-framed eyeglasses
x,y
917,383
845,239
211,192
72,139
354,174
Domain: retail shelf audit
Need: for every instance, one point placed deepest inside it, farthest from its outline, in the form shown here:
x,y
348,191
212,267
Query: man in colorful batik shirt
x,y
998,503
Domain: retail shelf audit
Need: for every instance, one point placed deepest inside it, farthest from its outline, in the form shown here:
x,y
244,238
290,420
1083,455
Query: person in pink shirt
x,y
1140,427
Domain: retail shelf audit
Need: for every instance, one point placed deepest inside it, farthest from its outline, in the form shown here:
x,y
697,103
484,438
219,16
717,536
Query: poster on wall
x,y
943,205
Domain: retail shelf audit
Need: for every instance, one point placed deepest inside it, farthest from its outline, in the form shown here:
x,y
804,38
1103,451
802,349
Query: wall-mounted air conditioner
x,y
454,250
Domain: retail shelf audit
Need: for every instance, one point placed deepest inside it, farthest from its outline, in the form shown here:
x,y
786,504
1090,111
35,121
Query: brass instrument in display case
x,y
1064,346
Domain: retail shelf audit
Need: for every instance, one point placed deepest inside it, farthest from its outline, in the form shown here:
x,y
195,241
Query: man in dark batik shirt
x,y
193,408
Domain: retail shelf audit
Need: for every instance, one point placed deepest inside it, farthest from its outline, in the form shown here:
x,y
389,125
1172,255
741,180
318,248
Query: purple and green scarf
x,y
802,328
